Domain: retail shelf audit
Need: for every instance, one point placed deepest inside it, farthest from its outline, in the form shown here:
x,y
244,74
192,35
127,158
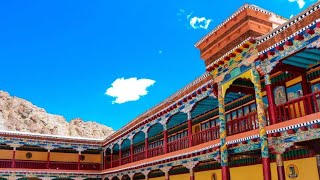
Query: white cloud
x,y
160,52
131,89
200,22
193,21
301,3
291,16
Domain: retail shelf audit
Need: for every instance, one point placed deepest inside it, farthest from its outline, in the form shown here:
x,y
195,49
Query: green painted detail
x,y
313,75
235,72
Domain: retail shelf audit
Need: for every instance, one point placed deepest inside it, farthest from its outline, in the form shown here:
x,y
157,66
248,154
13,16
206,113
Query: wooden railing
x,y
63,165
90,166
125,160
243,124
156,151
179,144
5,163
115,163
31,164
206,135
138,156
299,107
108,165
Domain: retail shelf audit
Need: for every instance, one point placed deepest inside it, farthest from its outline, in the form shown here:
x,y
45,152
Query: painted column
x,y
189,128
146,174
166,172
79,163
130,176
120,155
262,124
305,90
131,150
223,135
272,106
165,138
104,159
13,162
280,167
111,157
190,166
49,148
146,144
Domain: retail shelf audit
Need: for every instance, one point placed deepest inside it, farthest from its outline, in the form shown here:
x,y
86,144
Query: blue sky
x,y
64,55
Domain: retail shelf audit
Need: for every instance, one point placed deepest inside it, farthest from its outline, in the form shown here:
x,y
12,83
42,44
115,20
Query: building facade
x,y
254,114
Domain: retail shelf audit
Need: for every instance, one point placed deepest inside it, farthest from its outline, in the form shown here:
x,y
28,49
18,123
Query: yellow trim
x,y
293,81
315,80
226,85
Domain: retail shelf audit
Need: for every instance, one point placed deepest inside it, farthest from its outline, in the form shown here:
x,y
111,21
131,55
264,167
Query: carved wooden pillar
x,y
14,147
306,90
280,167
191,166
262,124
189,128
223,135
165,139
120,155
13,162
146,144
272,106
146,174
166,170
48,148
131,150
111,157
79,163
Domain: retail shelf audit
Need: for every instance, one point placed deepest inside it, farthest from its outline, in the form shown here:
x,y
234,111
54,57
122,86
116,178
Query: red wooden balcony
x,y
156,151
90,166
31,164
5,163
299,107
126,160
139,156
243,124
206,135
107,165
115,163
179,144
63,165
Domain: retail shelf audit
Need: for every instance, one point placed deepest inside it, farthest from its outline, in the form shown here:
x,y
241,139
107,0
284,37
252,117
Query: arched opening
x,y
155,140
108,158
178,132
205,120
139,146
156,174
125,177
241,115
138,176
125,152
115,155
115,178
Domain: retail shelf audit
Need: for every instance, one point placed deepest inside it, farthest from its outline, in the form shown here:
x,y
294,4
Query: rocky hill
x,y
17,114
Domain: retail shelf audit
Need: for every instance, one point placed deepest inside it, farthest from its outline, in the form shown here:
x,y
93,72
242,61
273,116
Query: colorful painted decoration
x,y
294,92
279,95
315,87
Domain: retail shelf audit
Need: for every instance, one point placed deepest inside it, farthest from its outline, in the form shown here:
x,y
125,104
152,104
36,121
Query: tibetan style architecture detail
x,y
254,114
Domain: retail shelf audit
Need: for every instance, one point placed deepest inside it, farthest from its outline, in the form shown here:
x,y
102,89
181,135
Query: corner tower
x,y
247,21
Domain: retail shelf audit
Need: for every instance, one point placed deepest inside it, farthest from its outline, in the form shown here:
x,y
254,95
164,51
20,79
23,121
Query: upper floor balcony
x,y
291,95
